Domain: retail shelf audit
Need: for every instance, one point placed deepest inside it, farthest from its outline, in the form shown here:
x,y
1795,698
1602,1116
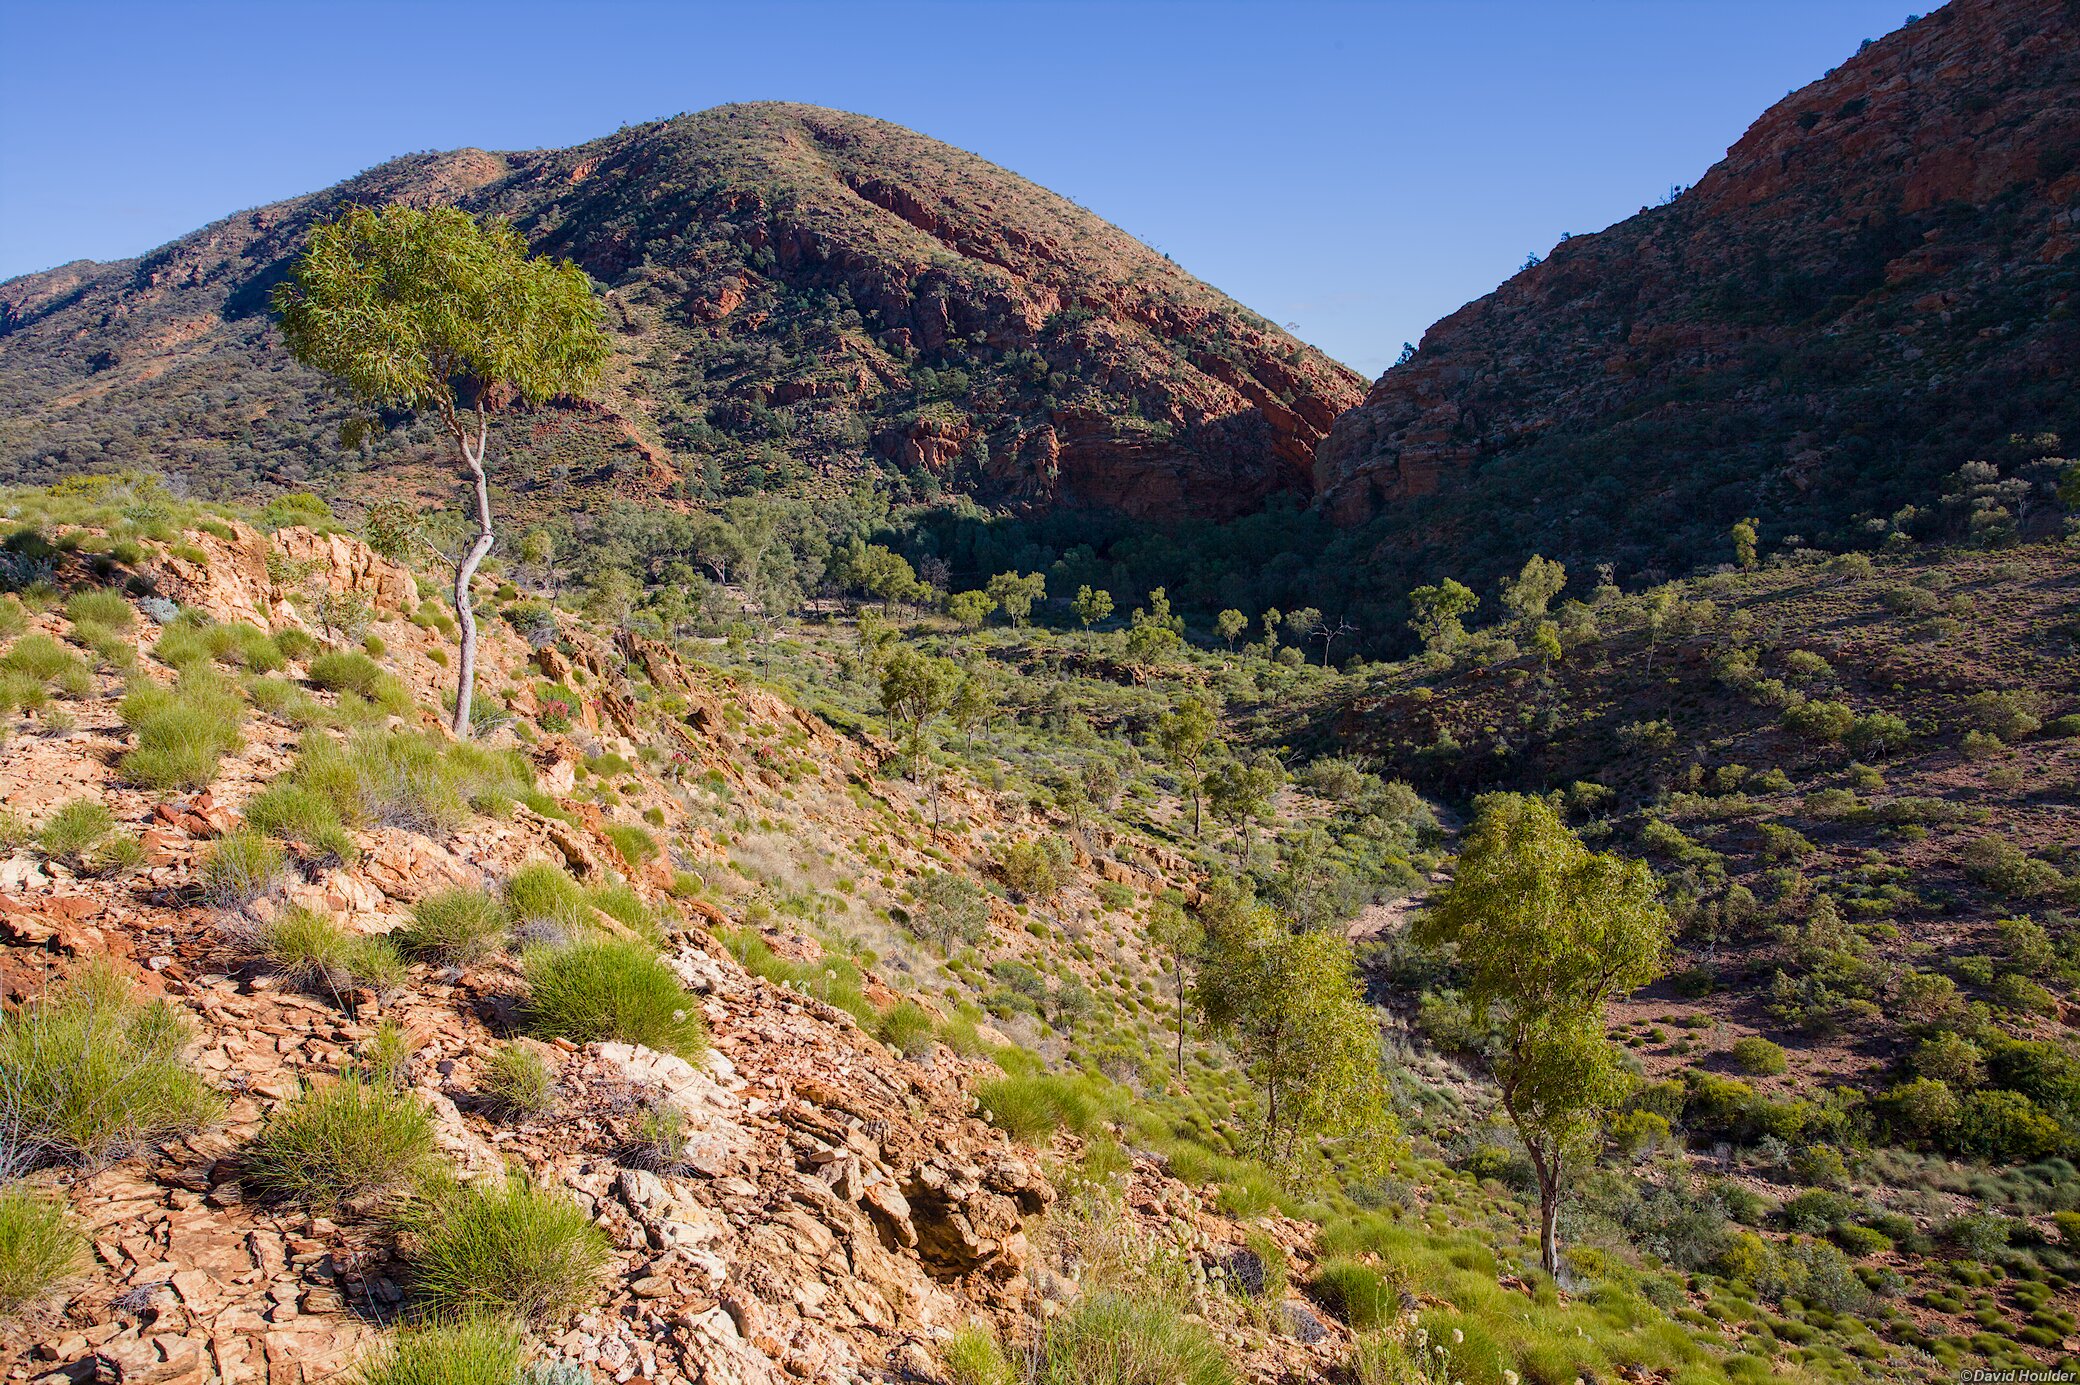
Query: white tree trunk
x,y
466,673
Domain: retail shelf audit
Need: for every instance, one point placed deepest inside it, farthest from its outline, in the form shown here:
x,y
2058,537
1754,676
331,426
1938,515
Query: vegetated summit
x,y
799,296
1875,285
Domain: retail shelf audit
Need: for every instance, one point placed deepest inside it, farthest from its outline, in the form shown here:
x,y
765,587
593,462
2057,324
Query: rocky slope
x,y
799,295
1875,285
836,1207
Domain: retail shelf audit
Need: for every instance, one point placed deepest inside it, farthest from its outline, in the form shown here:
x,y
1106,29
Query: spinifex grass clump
x,y
546,904
75,828
92,1074
477,1351
39,1247
510,1248
316,954
36,664
297,814
458,926
611,989
1111,1338
518,1084
183,731
243,866
410,780
337,1143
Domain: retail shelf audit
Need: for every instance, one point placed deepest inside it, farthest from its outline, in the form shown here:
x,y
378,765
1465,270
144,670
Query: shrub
x,y
91,1074
2007,1126
518,1084
476,1351
183,732
39,1247
1110,1338
635,844
458,926
2008,715
2001,866
1035,869
300,815
541,897
1819,721
1876,734
338,1142
1820,1166
1356,1293
243,866
510,1249
611,989
1758,1057
75,828
315,954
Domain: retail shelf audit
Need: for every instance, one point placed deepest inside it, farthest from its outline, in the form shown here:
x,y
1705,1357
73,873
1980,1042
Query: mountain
x,y
799,297
1874,286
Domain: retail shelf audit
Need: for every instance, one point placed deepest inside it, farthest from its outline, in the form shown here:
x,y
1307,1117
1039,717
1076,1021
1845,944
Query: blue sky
x,y
1357,170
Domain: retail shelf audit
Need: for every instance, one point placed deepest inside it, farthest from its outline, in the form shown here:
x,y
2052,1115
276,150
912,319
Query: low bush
x,y
611,989
1111,1338
518,1084
243,865
1758,1057
347,670
906,1028
476,1351
973,1358
510,1249
338,1142
243,646
39,1247
90,1074
294,643
458,926
40,661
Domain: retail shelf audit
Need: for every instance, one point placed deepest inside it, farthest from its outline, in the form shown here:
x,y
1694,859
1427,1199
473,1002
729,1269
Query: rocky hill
x,y
800,297
1874,286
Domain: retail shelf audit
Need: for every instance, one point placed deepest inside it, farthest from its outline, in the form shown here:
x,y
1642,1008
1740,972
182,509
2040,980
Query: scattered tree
x,y
1179,934
1229,625
1185,735
1092,606
1530,593
1545,932
1015,595
1438,613
413,308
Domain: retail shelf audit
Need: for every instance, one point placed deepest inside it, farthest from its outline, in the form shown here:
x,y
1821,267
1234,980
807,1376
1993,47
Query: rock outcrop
x,y
1876,284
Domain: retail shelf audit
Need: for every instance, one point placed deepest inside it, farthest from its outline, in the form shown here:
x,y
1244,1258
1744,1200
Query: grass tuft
x,y
477,1351
518,1084
39,1247
94,1074
508,1248
243,866
610,989
315,954
75,828
183,731
338,1142
1110,1338
457,926
297,814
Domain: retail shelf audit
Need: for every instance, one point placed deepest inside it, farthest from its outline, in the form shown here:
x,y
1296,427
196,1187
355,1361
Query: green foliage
x,y
36,663
1357,1293
412,780
637,846
518,1083
100,606
183,732
973,1358
293,812
951,909
90,1074
506,1249
457,926
315,954
1293,1008
1035,869
39,1247
541,897
1111,1338
1545,932
1758,1057
338,1142
609,989
475,1351
242,866
1438,612
1034,1106
76,828
350,671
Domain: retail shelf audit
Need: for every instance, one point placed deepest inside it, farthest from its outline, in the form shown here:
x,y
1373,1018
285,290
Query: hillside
x,y
1875,285
800,298
917,1088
